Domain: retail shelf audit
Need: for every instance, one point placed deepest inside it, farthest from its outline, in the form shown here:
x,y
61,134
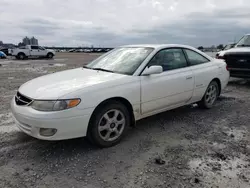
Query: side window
x,y
169,59
34,47
40,48
194,58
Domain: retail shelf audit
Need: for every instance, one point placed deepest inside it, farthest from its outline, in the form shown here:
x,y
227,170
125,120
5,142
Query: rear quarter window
x,y
195,58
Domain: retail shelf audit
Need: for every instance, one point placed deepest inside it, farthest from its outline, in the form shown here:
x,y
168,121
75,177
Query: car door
x,y
204,72
172,87
34,51
42,51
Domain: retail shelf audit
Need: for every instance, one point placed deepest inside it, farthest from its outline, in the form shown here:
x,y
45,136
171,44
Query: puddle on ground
x,y
219,146
37,70
8,129
223,172
7,124
6,119
237,134
59,65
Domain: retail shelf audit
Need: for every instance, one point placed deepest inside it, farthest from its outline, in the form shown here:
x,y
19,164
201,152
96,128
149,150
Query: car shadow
x,y
239,82
84,145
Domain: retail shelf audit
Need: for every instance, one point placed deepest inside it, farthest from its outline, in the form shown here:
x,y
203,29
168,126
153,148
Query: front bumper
x,y
31,121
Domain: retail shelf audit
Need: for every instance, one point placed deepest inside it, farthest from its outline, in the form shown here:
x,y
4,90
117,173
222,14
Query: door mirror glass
x,y
154,69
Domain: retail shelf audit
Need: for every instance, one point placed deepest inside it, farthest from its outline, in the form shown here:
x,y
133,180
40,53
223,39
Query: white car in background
x,y
31,51
105,97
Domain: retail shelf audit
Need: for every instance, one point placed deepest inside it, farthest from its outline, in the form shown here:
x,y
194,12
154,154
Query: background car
x,y
3,55
238,58
31,51
6,51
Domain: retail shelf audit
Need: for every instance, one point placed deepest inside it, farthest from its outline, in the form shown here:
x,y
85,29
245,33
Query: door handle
x,y
189,77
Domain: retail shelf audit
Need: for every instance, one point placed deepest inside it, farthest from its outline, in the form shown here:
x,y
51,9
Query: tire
x,y
106,129
210,96
21,56
50,55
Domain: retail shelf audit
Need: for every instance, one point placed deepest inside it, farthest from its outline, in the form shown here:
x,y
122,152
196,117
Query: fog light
x,y
47,132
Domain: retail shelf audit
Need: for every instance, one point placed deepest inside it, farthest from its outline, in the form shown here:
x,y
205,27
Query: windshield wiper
x,y
101,69
98,69
84,66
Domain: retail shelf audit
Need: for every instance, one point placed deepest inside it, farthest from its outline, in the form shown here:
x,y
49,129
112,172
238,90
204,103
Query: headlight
x,y
54,105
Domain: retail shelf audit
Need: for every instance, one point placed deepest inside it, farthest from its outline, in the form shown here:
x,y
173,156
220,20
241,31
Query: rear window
x,y
22,47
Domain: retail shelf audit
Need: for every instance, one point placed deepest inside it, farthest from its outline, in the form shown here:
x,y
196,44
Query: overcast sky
x,y
118,22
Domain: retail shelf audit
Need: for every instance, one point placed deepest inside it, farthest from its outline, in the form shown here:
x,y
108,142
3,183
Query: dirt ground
x,y
185,147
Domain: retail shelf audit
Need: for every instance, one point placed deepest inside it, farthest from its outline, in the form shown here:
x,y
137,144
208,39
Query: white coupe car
x,y
102,99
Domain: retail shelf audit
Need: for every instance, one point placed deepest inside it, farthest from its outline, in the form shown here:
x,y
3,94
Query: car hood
x,y
236,49
56,85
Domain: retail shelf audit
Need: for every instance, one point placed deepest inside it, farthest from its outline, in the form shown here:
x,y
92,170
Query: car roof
x,y
162,46
158,46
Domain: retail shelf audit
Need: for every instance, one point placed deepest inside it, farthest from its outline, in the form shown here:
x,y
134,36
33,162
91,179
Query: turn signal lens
x,y
65,104
73,103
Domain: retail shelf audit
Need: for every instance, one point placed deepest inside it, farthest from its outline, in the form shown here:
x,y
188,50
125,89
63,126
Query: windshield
x,y
124,60
244,41
229,46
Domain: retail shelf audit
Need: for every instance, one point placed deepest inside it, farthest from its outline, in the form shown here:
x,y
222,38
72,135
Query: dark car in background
x,y
5,50
238,58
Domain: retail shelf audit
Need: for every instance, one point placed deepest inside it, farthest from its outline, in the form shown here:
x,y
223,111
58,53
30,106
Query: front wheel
x,y
50,55
210,96
109,124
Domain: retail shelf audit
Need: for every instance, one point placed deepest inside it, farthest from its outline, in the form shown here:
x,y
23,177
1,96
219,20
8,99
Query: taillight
x,y
227,68
220,57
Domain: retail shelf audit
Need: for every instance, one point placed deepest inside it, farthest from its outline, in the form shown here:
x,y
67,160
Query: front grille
x,y
21,100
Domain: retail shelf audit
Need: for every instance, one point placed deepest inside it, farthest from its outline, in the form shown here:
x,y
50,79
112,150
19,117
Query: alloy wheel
x,y
111,125
211,94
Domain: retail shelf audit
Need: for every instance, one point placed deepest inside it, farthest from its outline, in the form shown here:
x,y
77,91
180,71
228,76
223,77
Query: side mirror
x,y
154,69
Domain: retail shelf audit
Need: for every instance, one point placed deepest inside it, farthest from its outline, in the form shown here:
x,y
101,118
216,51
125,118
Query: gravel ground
x,y
185,147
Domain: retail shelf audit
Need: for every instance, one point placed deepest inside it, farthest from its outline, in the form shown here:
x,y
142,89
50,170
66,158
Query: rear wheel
x,y
210,96
21,56
109,124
